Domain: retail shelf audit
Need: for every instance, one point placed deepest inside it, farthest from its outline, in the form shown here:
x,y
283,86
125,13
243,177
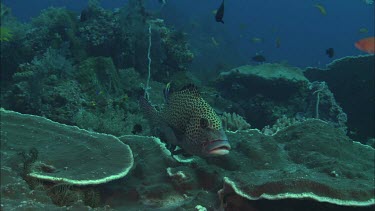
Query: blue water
x,y
303,31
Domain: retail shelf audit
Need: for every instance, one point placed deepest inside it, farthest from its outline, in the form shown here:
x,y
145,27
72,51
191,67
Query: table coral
x,y
308,160
102,157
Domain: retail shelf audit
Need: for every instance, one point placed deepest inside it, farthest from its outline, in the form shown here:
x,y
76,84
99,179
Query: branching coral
x,y
280,124
110,121
41,86
53,61
52,28
97,26
176,48
113,120
64,194
234,122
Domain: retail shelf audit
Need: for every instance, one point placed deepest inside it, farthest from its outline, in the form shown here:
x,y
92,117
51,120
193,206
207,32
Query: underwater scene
x,y
187,105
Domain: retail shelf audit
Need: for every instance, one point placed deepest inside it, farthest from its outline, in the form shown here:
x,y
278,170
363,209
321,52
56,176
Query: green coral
x,y
130,80
5,34
110,121
52,28
97,27
53,61
176,48
98,75
57,20
4,10
113,120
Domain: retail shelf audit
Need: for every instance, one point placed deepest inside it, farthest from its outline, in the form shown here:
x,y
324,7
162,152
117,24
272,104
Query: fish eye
x,y
203,122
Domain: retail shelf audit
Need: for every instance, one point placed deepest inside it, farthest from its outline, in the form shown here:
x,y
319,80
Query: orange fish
x,y
366,45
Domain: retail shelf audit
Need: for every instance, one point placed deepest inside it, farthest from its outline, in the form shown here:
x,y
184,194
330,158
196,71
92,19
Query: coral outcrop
x,y
264,92
76,68
351,79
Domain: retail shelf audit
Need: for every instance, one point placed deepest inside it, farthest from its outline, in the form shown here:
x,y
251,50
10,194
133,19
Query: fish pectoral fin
x,y
181,152
171,147
178,152
169,134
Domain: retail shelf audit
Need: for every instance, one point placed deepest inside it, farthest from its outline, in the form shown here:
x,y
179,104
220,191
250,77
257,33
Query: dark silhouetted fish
x,y
220,13
278,42
137,128
84,15
259,58
330,52
189,122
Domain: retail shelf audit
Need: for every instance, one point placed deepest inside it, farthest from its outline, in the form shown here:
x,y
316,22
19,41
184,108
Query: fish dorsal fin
x,y
190,89
166,91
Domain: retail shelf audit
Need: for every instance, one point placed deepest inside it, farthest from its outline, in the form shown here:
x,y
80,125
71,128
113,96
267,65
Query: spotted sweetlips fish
x,y
188,121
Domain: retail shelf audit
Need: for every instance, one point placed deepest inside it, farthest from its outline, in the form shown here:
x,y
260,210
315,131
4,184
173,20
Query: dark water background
x,y
303,31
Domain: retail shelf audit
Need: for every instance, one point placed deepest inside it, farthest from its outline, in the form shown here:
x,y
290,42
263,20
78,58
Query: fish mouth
x,y
218,147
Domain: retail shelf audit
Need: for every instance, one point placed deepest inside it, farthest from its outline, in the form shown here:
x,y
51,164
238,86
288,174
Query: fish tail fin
x,y
149,111
158,126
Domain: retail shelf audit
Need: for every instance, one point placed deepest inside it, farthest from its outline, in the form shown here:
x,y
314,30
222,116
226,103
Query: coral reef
x,y
97,27
351,79
112,120
264,92
122,35
89,70
177,49
324,106
98,74
280,124
13,50
52,28
308,171
41,87
59,65
299,165
5,34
